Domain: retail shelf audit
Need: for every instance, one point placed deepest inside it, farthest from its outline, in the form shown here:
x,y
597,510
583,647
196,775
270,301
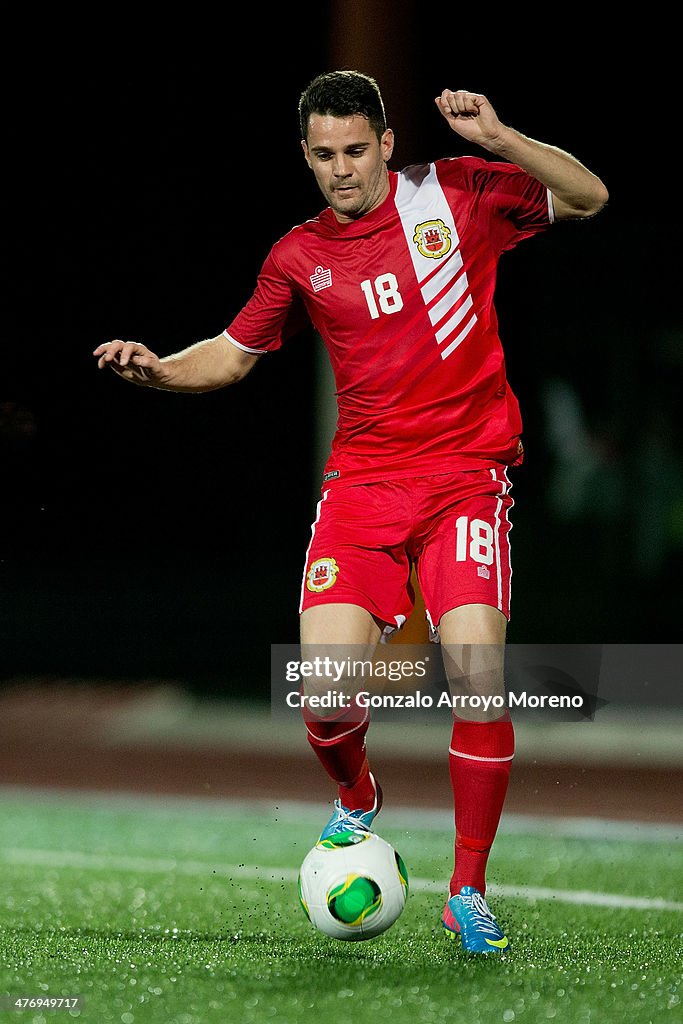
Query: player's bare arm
x,y
577,192
204,366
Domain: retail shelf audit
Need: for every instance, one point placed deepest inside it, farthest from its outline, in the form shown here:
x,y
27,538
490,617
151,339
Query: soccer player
x,y
397,274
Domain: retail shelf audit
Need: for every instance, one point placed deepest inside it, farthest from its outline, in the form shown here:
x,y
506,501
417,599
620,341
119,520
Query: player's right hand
x,y
132,361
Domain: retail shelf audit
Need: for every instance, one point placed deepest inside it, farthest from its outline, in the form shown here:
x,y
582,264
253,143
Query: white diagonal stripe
x,y
448,270
458,316
447,301
415,207
460,337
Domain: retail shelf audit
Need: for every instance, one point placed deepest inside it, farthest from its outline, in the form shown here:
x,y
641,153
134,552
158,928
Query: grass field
x,y
181,912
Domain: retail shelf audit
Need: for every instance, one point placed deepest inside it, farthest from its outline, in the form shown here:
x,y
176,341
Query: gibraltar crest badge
x,y
432,238
322,574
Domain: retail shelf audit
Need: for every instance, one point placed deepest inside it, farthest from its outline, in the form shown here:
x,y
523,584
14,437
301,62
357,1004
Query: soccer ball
x,y
353,885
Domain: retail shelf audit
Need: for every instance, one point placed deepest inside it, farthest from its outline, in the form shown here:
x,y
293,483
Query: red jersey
x,y
403,300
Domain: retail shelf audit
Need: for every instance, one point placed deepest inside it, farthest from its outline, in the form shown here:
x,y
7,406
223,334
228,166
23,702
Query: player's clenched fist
x,y
132,361
470,114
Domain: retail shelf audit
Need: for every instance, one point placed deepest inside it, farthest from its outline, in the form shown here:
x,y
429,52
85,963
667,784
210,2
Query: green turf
x,y
173,914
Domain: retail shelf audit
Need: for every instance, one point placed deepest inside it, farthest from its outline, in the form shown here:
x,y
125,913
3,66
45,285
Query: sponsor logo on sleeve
x,y
321,278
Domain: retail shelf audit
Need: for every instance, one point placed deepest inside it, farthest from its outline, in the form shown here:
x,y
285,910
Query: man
x,y
397,274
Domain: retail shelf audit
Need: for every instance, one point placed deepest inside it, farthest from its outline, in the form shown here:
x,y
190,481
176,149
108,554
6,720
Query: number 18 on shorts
x,y
452,527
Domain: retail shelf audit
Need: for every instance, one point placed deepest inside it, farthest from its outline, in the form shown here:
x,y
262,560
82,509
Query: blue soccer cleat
x,y
468,914
346,819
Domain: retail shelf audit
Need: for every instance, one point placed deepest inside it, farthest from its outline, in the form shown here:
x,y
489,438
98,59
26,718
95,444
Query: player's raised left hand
x,y
471,115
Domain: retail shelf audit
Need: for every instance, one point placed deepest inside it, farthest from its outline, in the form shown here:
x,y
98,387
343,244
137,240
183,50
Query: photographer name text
x,y
471,701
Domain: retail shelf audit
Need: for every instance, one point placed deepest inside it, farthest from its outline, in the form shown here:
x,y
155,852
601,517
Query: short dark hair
x,y
343,94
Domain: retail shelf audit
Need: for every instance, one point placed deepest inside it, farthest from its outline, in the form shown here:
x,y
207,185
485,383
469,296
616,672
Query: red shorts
x,y
453,527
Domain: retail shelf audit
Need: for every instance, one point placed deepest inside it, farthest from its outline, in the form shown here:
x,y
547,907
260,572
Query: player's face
x,y
349,163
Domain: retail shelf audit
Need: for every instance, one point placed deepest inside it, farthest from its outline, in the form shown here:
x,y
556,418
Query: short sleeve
x,y
272,315
513,204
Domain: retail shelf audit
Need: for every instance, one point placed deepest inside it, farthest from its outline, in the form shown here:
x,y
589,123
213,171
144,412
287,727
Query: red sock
x,y
479,759
339,743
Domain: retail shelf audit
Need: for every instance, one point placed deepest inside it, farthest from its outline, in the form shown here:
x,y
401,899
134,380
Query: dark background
x,y
147,534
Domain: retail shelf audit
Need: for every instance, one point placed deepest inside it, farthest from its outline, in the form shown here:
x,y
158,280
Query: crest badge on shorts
x,y
432,238
322,574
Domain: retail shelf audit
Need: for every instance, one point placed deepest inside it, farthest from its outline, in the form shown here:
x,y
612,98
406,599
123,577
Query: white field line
x,y
409,818
237,872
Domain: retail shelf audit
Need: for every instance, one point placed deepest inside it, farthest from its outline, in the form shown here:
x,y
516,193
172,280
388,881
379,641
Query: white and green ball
x,y
353,885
